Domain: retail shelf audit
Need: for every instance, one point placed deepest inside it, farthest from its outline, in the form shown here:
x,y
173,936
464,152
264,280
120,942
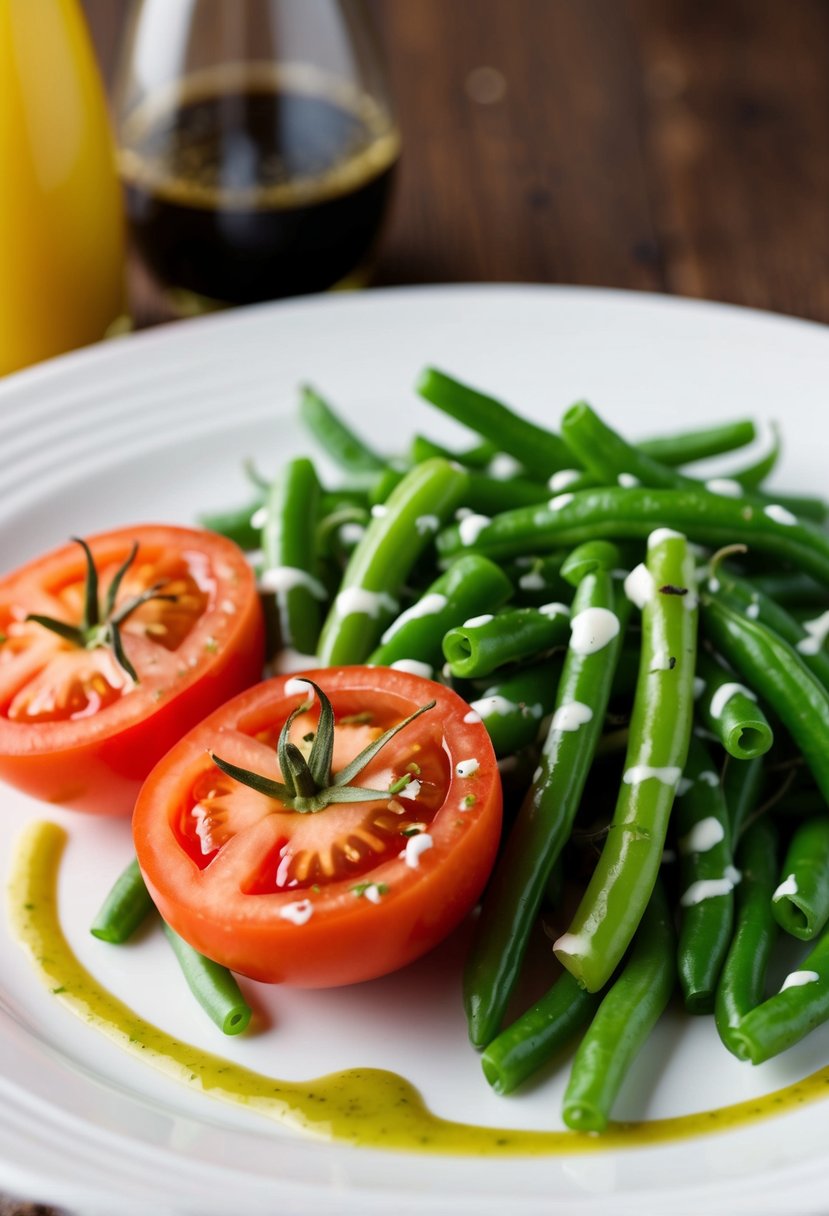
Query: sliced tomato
x,y
75,727
334,896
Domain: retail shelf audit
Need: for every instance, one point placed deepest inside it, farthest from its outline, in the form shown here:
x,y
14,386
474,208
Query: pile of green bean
x,y
646,650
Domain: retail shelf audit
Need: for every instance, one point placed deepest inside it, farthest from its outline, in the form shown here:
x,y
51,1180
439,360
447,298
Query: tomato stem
x,y
309,785
94,631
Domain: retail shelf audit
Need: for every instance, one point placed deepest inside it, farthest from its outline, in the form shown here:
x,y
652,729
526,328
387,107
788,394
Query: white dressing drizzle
x,y
570,717
298,913
669,774
780,515
639,586
592,630
818,631
354,600
416,846
724,694
414,667
471,527
286,578
427,606
787,887
796,979
702,836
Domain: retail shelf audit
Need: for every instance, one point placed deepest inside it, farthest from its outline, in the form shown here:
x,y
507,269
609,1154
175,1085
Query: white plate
x,y
157,426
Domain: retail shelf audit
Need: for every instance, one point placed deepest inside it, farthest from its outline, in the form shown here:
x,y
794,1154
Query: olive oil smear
x,y
361,1106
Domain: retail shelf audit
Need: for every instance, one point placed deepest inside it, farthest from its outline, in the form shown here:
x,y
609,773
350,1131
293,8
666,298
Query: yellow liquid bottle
x,y
61,222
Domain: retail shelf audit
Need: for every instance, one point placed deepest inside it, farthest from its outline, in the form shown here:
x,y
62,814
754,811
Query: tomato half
x,y
335,896
75,727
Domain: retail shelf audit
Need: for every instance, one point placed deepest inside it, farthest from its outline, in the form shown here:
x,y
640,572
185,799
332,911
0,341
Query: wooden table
x,y
661,145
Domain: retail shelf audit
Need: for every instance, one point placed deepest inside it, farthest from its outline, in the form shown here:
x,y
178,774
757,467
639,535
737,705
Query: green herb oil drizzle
x,y
361,1106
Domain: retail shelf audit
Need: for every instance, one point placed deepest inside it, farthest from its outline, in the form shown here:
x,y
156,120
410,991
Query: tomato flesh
x,y
232,869
75,728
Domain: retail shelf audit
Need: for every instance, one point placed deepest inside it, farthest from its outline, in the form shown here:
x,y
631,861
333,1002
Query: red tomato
x,y
342,894
75,728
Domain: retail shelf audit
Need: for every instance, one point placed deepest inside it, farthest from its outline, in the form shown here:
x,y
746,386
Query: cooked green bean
x,y
615,513
753,474
790,588
660,730
126,906
289,554
538,581
545,820
537,1035
807,639
213,986
742,784
800,904
780,676
236,524
785,1018
470,586
514,708
478,457
707,878
484,643
627,1014
730,711
367,600
332,433
743,976
686,447
491,495
540,450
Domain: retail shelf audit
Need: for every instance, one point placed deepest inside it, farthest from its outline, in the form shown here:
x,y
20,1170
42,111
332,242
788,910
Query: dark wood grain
x,y
667,145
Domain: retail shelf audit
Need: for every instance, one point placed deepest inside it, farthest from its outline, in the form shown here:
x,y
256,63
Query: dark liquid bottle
x,y
251,178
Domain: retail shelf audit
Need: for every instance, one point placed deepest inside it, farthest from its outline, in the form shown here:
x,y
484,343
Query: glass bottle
x,y
257,145
61,218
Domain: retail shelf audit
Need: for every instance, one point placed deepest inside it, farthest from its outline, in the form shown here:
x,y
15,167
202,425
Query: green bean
x,y
801,1004
538,580
235,524
367,600
545,820
790,588
686,447
742,784
490,495
470,586
752,475
807,506
213,986
780,676
631,514
660,730
537,1035
610,458
126,906
800,904
625,1018
805,638
707,876
485,643
289,554
478,457
730,711
381,488
514,708
743,976
332,433
540,450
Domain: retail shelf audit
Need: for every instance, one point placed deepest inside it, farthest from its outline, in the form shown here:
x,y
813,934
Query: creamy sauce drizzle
x,y
362,1106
